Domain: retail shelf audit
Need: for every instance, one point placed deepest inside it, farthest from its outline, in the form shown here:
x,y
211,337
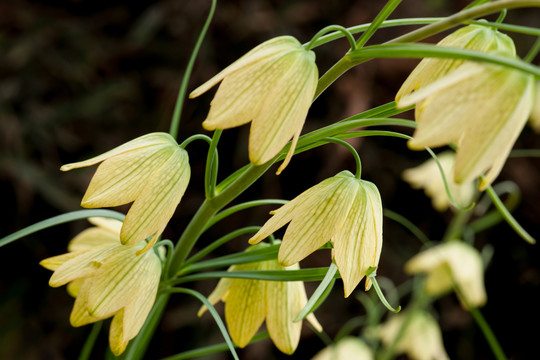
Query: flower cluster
x,y
249,302
447,94
151,171
107,279
342,209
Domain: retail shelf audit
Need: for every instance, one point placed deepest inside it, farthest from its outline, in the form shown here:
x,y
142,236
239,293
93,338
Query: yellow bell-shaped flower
x,y
428,177
108,279
448,265
249,302
151,171
480,107
272,86
342,209
421,339
348,348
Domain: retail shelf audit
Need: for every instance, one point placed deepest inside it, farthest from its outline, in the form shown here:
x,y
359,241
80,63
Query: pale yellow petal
x,y
80,264
358,243
318,219
472,37
120,179
285,107
284,302
54,262
242,94
245,307
157,202
74,287
111,225
259,53
285,214
79,314
134,314
138,143
219,293
93,237
534,119
121,279
348,348
117,338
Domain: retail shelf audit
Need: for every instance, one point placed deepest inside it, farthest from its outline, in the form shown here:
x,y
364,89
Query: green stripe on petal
x,y
257,54
120,179
285,107
79,265
157,202
138,143
245,308
120,280
317,220
284,302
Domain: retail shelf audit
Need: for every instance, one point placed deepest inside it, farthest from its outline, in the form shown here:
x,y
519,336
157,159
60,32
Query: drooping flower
x,y
272,86
480,107
341,209
428,177
348,348
448,265
108,279
151,171
421,338
249,302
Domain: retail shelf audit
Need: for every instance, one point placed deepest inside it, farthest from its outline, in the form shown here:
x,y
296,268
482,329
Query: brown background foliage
x,y
78,78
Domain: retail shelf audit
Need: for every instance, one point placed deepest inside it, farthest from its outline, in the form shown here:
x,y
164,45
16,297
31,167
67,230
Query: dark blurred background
x,y
78,78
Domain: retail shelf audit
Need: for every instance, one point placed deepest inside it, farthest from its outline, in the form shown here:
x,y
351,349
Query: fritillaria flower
x,y
343,210
480,107
272,86
108,279
151,171
428,177
421,338
448,265
349,348
249,302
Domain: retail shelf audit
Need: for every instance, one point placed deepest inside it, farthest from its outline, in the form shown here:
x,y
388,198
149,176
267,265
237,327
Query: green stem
x,y
210,174
137,347
353,152
533,51
207,211
446,23
90,341
488,334
175,122
377,22
326,30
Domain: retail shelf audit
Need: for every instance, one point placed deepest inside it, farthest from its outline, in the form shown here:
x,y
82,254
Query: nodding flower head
x,y
108,279
480,107
272,86
341,209
151,171
250,302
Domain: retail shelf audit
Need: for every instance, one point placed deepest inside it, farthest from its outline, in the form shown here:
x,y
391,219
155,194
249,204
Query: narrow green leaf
x,y
508,217
214,314
314,274
407,50
256,255
320,293
212,349
61,219
222,240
